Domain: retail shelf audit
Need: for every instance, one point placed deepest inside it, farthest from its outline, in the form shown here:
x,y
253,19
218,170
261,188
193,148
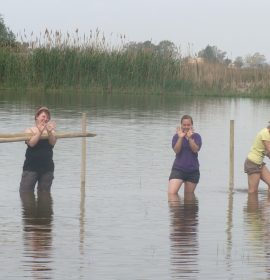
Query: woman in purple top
x,y
186,145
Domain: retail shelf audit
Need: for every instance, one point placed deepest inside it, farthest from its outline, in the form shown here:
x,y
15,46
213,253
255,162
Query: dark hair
x,y
187,117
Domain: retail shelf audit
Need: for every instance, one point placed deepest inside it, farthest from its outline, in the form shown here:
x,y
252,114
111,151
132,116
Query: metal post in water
x,y
231,154
83,163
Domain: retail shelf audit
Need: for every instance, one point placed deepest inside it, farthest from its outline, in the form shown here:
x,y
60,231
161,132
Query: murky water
x,y
123,225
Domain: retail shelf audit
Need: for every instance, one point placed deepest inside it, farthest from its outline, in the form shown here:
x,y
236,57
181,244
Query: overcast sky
x,y
239,27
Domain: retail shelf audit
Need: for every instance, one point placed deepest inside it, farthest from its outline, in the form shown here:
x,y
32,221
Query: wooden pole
x,y
229,226
83,172
231,153
83,163
16,137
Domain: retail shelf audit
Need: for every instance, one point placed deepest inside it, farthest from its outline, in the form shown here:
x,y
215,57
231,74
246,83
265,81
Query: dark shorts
x,y
193,176
30,178
250,167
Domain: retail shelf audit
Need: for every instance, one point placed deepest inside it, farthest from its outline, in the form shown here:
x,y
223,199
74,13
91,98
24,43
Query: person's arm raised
x,y
192,144
34,138
178,145
51,132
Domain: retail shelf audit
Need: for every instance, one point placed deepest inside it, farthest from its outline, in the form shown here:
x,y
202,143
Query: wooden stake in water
x,y
231,153
83,172
83,163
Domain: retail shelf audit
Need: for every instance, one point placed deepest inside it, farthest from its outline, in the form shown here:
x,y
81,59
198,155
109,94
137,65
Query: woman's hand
x,y
180,132
50,126
50,129
41,126
189,133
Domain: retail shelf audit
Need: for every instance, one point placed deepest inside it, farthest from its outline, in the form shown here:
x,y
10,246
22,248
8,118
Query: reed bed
x,y
90,63
84,69
223,80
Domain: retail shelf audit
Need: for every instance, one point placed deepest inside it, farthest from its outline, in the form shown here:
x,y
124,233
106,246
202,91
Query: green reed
x,y
85,68
92,65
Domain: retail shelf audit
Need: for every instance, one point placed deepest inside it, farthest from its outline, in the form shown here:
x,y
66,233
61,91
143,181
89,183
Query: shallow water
x,y
123,225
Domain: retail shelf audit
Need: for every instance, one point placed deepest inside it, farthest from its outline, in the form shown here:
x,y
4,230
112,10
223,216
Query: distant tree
x,y
141,46
147,45
167,48
238,62
212,54
227,61
7,37
164,48
256,60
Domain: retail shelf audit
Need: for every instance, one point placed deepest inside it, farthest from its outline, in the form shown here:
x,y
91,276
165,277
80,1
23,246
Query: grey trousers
x,y
30,178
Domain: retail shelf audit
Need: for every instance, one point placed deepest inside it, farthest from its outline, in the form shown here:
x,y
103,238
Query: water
x,y
123,225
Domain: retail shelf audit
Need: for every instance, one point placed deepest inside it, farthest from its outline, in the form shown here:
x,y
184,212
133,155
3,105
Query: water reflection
x,y
184,236
257,221
37,219
82,217
229,229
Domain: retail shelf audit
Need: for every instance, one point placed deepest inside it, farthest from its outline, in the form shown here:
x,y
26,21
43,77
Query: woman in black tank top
x,y
38,166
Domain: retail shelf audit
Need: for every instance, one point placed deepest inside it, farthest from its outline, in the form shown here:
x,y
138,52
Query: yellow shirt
x,y
257,151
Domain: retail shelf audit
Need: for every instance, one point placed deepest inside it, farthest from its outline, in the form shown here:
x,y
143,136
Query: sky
x,y
238,27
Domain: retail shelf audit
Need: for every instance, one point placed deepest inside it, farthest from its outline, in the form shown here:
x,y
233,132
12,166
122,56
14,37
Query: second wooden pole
x,y
231,153
83,163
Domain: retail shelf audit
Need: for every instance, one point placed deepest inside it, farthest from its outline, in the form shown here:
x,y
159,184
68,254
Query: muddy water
x,y
123,225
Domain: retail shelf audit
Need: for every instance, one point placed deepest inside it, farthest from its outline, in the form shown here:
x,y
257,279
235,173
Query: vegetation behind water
x,y
87,68
92,65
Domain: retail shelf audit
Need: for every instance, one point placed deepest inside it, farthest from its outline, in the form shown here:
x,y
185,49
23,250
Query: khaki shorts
x,y
250,167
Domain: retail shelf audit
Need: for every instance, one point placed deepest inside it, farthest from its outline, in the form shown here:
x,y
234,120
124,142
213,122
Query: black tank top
x,y
40,157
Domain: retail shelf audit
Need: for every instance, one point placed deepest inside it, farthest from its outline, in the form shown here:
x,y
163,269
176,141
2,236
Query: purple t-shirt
x,y
186,160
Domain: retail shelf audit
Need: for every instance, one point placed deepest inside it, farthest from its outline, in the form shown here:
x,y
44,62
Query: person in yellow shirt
x,y
254,165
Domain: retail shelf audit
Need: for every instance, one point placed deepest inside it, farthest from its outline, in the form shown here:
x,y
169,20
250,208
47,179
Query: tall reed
x,y
55,61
